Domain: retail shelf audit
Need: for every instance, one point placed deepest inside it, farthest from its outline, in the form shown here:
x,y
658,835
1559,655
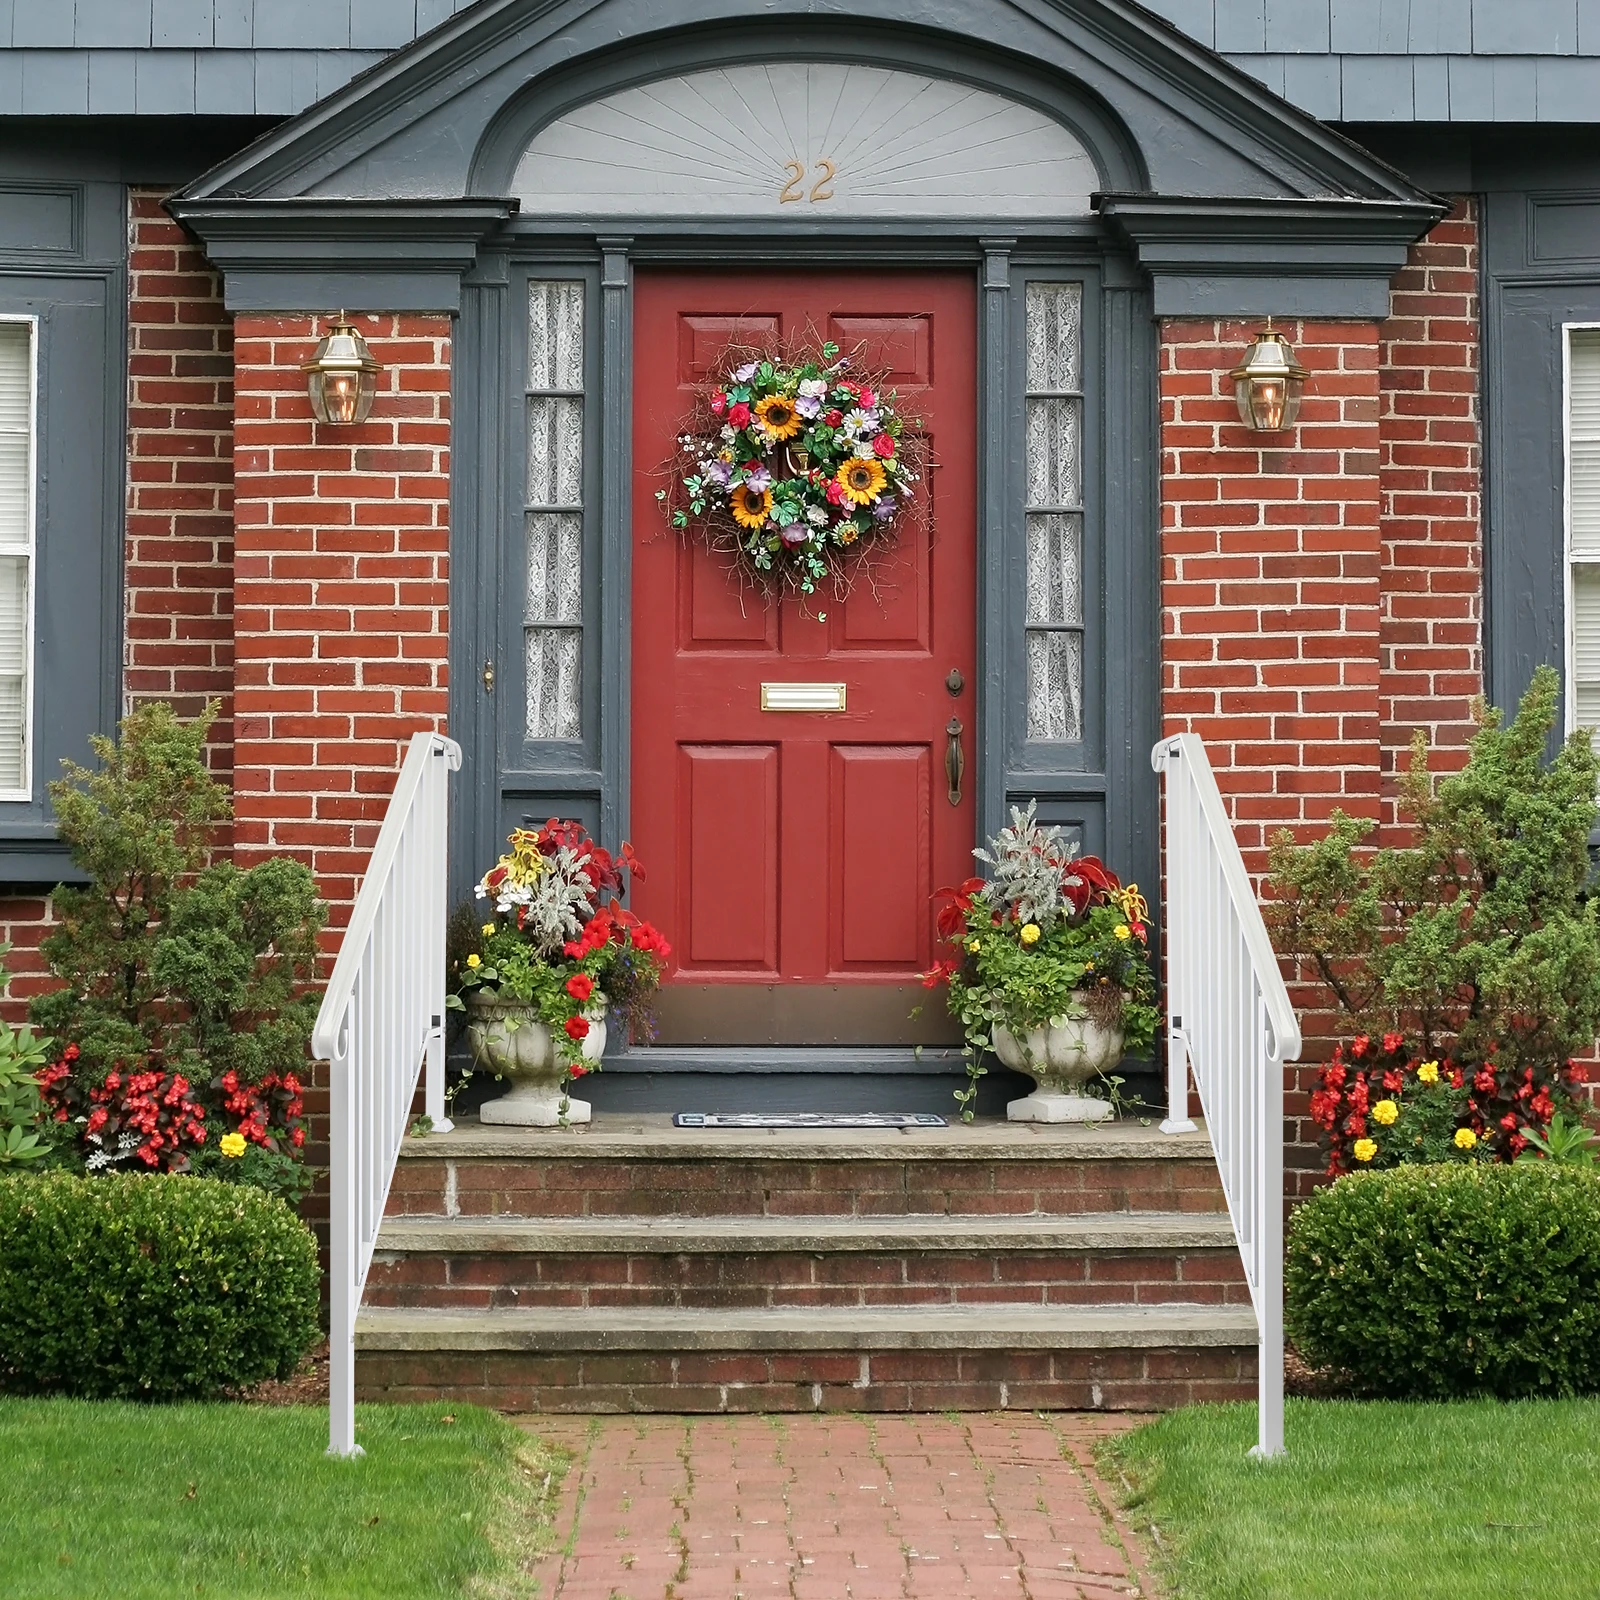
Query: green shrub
x,y
1437,1282
150,1287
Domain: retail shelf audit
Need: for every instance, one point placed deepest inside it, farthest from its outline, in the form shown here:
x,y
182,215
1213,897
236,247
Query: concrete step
x,y
644,1167
923,1358
702,1262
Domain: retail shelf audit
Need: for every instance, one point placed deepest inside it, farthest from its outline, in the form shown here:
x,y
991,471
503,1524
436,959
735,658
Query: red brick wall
x,y
341,619
1270,577
178,554
1430,457
178,644
1271,603
1322,593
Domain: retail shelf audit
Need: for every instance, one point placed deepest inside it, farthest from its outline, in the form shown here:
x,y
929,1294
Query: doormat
x,y
808,1119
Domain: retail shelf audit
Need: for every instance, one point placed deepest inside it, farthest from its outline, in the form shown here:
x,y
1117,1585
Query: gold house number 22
x,y
795,188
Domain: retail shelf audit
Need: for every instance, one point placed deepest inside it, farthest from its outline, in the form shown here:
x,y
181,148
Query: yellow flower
x,y
749,508
1365,1150
1466,1139
488,928
231,1144
1385,1112
1123,931
778,417
974,945
474,961
1428,1072
1030,933
862,480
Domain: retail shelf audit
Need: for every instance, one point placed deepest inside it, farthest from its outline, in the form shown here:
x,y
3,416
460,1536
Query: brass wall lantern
x,y
341,377
1268,383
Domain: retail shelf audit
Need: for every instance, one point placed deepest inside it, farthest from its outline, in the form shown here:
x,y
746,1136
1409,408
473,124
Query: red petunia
x,y
577,1027
580,986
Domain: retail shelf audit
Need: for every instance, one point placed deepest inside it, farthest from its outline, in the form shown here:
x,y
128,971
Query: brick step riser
x,y
553,1187
991,1380
732,1279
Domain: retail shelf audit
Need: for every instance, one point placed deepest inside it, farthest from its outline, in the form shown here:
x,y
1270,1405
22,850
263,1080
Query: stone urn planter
x,y
508,1040
1061,1057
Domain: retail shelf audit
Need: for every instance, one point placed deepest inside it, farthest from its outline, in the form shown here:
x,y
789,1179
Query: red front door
x,y
792,855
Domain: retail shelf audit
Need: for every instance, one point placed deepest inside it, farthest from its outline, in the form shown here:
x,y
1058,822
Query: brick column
x,y
179,633
342,591
1271,600
1429,471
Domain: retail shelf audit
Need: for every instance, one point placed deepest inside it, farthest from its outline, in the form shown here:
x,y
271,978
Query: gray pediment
x,y
533,103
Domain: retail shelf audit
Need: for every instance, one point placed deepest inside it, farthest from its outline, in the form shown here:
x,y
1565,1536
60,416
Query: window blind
x,y
16,548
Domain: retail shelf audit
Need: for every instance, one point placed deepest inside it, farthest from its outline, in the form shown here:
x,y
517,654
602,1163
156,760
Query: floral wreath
x,y
794,469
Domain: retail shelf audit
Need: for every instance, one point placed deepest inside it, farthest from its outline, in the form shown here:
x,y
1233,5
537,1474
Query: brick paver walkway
x,y
836,1508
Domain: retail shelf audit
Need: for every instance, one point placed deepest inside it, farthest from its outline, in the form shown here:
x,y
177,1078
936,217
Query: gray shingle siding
x,y
1341,60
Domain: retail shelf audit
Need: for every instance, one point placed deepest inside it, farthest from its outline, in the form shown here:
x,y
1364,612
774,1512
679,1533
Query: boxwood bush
x,y
1430,1282
151,1287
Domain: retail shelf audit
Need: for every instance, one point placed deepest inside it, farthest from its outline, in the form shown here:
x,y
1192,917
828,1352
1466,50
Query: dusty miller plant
x,y
1476,935
1028,866
167,958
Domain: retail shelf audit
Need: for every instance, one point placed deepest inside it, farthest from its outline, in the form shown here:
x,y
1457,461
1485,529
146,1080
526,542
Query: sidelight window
x,y
1054,512
553,612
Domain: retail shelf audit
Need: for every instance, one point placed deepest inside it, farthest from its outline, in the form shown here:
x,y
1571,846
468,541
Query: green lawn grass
x,y
1377,1501
133,1501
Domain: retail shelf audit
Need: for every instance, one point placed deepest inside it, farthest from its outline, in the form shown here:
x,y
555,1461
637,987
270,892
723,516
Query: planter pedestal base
x,y
1042,1106
533,1105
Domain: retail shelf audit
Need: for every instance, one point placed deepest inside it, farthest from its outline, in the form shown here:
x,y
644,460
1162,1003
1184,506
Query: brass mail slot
x,y
802,697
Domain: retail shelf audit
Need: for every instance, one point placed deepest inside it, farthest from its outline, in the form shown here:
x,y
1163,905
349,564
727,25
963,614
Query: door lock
x,y
955,683
488,677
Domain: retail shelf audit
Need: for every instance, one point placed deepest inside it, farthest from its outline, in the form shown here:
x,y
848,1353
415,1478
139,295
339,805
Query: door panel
x,y
732,803
797,851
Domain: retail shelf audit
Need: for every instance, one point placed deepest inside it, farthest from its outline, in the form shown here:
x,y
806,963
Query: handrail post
x,y
342,1247
1269,1406
1177,1119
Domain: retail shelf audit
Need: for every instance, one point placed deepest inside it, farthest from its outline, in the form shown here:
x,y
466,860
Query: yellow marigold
x,y
1030,933
474,961
1123,931
488,928
1428,1072
974,945
231,1144
1365,1149
1385,1112
1466,1139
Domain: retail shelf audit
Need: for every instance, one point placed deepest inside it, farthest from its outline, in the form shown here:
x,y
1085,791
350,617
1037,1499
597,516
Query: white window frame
x,y
28,550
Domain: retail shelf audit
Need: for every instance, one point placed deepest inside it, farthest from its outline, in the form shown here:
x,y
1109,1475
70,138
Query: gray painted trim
x,y
1117,47
1303,258
998,421
79,294
616,538
310,255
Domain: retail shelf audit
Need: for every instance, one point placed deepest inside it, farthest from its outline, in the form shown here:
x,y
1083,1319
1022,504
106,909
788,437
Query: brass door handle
x,y
955,764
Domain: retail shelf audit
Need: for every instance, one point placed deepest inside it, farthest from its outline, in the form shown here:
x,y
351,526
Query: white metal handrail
x,y
1229,1018
382,1017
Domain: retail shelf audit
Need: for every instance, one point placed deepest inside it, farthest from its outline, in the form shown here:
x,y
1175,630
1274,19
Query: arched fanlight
x,y
342,376
1268,383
